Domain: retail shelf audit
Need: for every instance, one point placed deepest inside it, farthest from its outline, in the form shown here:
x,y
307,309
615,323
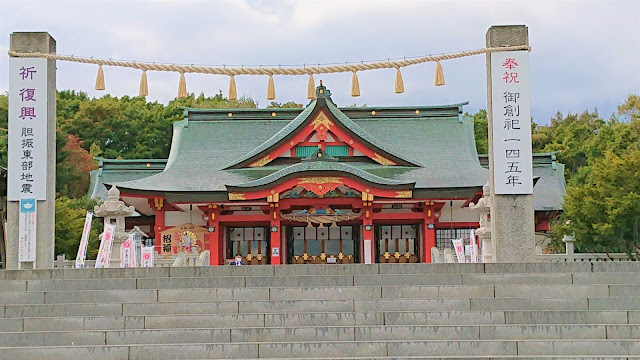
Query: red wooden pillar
x,y
157,205
368,241
429,240
276,238
216,254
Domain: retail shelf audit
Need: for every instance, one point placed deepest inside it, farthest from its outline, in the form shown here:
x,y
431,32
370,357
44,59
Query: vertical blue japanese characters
x,y
511,114
28,101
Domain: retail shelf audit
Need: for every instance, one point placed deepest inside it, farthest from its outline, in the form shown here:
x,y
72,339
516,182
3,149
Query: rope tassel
x,y
399,86
311,88
271,89
233,94
438,76
100,79
144,88
182,87
355,85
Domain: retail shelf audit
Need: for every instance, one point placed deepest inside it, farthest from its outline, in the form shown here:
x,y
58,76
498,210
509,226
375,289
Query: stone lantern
x,y
114,211
483,207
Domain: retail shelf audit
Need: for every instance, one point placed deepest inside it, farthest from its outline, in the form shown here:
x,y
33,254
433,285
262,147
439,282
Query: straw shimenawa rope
x,y
232,71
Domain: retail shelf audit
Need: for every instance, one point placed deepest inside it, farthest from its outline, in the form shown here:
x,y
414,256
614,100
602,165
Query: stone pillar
x,y
568,241
45,231
512,217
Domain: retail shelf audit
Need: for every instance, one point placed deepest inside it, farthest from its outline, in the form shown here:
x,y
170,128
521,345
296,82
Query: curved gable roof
x,y
344,122
309,168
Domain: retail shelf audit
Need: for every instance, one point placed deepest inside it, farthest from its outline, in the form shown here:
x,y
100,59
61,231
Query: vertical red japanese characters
x,y
511,123
27,129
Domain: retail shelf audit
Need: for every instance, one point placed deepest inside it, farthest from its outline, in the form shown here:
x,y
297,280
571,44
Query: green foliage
x,y
481,131
603,212
287,105
70,214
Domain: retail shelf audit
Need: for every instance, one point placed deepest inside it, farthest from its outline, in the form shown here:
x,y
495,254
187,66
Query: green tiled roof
x,y
550,189
114,170
207,141
306,116
320,167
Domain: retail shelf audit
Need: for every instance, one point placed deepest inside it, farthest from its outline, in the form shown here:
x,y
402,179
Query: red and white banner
x,y
128,253
84,241
146,256
106,245
459,248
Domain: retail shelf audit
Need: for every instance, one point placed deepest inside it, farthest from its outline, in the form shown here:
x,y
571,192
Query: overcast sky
x,y
585,54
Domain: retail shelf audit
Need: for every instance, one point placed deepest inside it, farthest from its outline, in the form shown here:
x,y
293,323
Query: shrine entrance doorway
x,y
397,243
335,244
250,242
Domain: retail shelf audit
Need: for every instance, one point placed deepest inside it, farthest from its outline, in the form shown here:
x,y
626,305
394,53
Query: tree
x,y
481,131
78,164
603,212
70,214
287,105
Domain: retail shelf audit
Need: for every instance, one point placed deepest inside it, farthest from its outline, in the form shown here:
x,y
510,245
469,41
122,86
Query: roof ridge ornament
x,y
323,92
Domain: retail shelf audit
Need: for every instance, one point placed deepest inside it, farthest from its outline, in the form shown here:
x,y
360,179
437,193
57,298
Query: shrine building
x,y
320,184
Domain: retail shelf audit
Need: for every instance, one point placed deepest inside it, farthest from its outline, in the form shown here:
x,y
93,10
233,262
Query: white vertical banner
x,y
511,114
128,253
458,246
106,245
27,230
146,256
367,251
27,148
474,247
84,241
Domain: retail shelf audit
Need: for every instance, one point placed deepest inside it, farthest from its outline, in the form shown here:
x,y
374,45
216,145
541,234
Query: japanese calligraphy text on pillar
x,y
28,102
511,113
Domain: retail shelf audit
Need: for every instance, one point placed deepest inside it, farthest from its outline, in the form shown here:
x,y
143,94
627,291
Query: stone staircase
x,y
399,311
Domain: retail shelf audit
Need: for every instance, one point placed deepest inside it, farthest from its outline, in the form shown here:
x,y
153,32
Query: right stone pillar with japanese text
x,y
510,153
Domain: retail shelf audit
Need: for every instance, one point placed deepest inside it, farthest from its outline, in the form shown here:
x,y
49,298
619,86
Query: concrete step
x,y
320,333
362,349
50,322
322,270
505,284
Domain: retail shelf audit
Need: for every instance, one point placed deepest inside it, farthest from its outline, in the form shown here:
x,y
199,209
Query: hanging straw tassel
x,y
311,88
233,94
399,87
144,88
355,85
271,89
100,79
438,77
182,87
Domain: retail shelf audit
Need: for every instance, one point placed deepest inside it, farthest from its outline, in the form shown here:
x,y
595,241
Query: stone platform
x,y
399,311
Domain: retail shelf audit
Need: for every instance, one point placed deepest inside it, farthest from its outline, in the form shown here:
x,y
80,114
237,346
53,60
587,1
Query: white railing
x,y
175,260
448,255
571,256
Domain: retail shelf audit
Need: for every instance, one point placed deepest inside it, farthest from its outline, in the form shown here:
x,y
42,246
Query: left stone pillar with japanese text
x,y
32,153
